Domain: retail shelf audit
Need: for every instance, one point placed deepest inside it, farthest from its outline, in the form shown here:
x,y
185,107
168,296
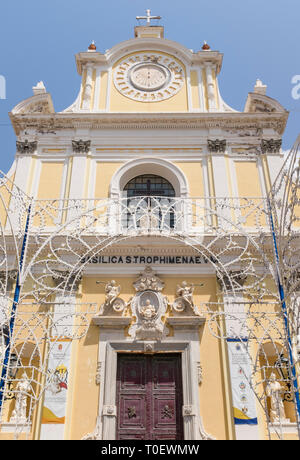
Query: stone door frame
x,y
185,341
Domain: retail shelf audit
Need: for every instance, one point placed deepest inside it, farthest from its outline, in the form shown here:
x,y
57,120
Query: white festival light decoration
x,y
46,245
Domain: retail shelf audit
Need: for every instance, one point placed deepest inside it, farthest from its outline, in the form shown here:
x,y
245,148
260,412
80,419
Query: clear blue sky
x,y
39,38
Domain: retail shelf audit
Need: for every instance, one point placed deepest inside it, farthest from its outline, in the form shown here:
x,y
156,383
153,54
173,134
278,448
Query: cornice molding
x,y
61,121
149,43
260,103
37,104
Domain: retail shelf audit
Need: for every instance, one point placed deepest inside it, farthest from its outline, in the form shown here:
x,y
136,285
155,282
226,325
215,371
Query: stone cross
x,y
148,18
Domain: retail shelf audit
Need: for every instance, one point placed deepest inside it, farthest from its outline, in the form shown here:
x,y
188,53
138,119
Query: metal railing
x,y
151,214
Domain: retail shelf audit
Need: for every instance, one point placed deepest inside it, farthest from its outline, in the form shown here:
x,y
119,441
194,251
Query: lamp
x,y
282,365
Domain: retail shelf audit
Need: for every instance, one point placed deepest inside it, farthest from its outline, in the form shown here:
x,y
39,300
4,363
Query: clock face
x,y
149,77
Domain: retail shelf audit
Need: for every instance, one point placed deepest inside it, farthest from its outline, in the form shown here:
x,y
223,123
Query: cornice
x,y
257,102
60,121
149,43
37,104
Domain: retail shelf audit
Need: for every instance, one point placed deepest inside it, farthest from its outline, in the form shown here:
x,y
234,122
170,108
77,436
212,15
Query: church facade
x,y
142,262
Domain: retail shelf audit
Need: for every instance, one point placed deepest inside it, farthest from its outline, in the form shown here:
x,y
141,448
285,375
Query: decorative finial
x,y
92,46
260,87
205,47
39,88
148,18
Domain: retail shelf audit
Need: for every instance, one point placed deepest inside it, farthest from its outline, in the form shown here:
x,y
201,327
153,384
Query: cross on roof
x,y
148,18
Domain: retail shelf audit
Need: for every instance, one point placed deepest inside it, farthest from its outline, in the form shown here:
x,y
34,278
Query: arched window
x,y
150,203
149,185
166,172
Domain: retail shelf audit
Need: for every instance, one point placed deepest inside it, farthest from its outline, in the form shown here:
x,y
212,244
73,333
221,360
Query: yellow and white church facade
x,y
144,209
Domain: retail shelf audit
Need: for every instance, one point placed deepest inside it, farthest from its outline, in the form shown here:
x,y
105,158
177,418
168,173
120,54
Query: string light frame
x,y
234,235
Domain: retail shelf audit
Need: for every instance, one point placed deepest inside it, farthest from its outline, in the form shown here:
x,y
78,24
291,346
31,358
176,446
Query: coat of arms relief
x,y
148,307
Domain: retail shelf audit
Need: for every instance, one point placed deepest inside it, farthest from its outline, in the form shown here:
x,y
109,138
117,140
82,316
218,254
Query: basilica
x,y
139,254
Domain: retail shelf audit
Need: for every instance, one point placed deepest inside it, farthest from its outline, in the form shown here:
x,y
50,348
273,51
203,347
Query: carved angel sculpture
x,y
112,291
186,292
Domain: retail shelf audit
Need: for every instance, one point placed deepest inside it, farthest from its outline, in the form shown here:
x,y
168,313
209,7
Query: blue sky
x,y
38,41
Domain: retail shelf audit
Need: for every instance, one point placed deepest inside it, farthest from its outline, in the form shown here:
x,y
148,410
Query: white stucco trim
x,y
149,165
142,44
10,173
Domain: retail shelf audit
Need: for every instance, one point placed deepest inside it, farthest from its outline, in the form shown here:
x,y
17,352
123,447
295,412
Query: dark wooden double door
x,y
149,397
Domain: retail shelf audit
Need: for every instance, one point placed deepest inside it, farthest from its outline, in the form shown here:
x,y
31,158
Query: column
x,y
223,202
86,102
18,202
210,89
76,203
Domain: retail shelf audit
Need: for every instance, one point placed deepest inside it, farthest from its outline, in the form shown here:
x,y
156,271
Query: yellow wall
x,y
103,90
195,89
5,191
120,103
248,183
50,180
192,170
104,173
204,79
211,391
248,179
194,174
52,174
49,188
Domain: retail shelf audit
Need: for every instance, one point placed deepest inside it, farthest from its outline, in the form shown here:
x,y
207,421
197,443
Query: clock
x,y
149,77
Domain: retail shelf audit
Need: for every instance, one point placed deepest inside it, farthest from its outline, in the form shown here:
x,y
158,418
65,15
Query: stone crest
x,y
145,312
148,306
148,280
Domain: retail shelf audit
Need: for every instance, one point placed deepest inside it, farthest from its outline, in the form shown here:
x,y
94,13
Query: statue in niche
x,y
148,307
22,390
184,299
148,311
112,299
185,291
112,291
274,391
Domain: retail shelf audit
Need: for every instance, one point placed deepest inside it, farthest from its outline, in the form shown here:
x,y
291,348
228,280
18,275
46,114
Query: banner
x,y
57,382
243,397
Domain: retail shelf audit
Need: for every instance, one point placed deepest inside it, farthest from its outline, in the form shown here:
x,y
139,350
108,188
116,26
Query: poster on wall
x,y
244,408
55,399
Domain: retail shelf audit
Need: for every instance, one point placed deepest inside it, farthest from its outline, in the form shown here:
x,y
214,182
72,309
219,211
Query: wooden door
x,y
149,397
